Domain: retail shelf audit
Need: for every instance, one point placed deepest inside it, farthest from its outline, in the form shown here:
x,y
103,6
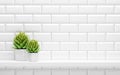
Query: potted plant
x,y
33,49
20,43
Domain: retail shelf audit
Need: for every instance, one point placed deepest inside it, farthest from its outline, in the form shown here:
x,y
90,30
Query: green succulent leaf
x,y
33,46
20,41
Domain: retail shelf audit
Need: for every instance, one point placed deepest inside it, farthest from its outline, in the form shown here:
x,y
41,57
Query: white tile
x,y
2,46
78,18
60,19
113,1
2,9
60,55
6,37
6,55
68,28
14,27
50,46
105,46
105,28
32,27
96,55
100,37
69,9
50,9
96,1
113,37
96,19
78,1
30,35
105,9
60,1
96,72
78,55
117,28
50,28
7,72
9,46
6,1
42,36
82,37
32,9
113,18
112,72
60,72
14,9
6,18
23,18
117,9
65,46
60,36
87,28
117,45
24,72
113,55
87,46
44,55
41,1
23,1
2,27
42,72
42,18
87,9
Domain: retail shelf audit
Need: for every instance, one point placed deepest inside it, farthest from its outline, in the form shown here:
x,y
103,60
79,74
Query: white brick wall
x,y
66,29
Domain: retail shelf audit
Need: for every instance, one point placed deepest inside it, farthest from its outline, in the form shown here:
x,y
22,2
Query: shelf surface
x,y
61,64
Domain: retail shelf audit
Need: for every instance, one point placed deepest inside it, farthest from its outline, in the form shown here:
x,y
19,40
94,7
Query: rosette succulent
x,y
33,46
20,41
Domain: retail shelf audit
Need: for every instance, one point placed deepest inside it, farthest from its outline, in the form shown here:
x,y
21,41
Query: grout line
x,y
67,14
64,32
59,4
48,23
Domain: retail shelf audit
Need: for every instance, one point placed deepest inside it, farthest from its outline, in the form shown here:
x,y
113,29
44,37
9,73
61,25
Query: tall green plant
x,y
20,41
33,46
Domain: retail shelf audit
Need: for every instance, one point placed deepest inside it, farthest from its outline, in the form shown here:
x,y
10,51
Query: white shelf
x,y
64,64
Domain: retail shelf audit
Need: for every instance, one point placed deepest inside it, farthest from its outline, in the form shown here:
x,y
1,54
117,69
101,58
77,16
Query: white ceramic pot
x,y
21,55
33,57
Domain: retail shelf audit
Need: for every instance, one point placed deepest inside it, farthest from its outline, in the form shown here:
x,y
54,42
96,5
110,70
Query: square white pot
x,y
33,57
21,55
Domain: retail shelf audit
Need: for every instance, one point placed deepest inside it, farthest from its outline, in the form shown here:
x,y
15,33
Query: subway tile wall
x,y
65,29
